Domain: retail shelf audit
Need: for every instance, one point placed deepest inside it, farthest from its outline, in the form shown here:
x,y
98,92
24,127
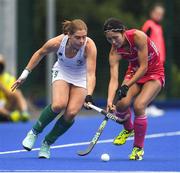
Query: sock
x,y
128,125
59,129
140,126
45,118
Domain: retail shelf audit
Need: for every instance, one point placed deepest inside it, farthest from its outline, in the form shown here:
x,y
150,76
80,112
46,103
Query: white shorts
x,y
70,76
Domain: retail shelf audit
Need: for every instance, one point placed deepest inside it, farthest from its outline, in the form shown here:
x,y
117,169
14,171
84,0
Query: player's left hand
x,y
111,108
88,100
122,92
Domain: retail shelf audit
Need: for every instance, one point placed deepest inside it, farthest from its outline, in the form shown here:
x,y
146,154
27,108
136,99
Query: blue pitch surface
x,y
162,147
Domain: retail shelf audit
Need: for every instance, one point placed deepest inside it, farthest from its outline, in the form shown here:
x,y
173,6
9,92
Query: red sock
x,y
128,125
140,126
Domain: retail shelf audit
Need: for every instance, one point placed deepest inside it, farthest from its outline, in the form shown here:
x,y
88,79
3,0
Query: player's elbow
x,y
39,53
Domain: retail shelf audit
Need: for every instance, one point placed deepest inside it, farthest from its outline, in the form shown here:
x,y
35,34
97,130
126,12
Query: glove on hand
x,y
122,92
88,99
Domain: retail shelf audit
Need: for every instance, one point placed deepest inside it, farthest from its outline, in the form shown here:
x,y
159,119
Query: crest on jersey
x,y
79,62
60,54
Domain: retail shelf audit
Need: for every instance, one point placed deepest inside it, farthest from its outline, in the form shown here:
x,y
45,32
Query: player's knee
x,y
58,107
122,105
71,113
139,106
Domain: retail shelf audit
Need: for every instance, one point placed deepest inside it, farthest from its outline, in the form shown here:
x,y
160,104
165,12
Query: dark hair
x,y
72,26
158,4
114,25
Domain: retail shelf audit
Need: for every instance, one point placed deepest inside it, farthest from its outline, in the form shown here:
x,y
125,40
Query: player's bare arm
x,y
140,40
91,54
50,46
114,73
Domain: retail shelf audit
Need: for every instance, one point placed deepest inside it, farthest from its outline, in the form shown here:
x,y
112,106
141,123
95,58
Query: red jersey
x,y
156,36
155,67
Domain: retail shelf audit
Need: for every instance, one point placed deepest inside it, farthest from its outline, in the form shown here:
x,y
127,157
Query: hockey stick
x,y
101,128
108,114
95,139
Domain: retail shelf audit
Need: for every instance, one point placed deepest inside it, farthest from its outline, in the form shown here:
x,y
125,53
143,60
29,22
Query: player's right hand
x,y
21,79
16,84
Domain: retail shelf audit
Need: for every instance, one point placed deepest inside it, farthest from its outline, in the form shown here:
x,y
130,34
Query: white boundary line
x,y
157,135
81,171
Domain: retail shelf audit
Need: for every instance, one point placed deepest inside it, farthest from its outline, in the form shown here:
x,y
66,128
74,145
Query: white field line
x,y
82,171
157,135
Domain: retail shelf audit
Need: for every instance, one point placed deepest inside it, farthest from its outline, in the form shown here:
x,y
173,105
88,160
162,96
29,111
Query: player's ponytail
x,y
66,26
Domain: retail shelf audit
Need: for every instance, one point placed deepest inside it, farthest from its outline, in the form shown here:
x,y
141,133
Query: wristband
x,y
24,74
